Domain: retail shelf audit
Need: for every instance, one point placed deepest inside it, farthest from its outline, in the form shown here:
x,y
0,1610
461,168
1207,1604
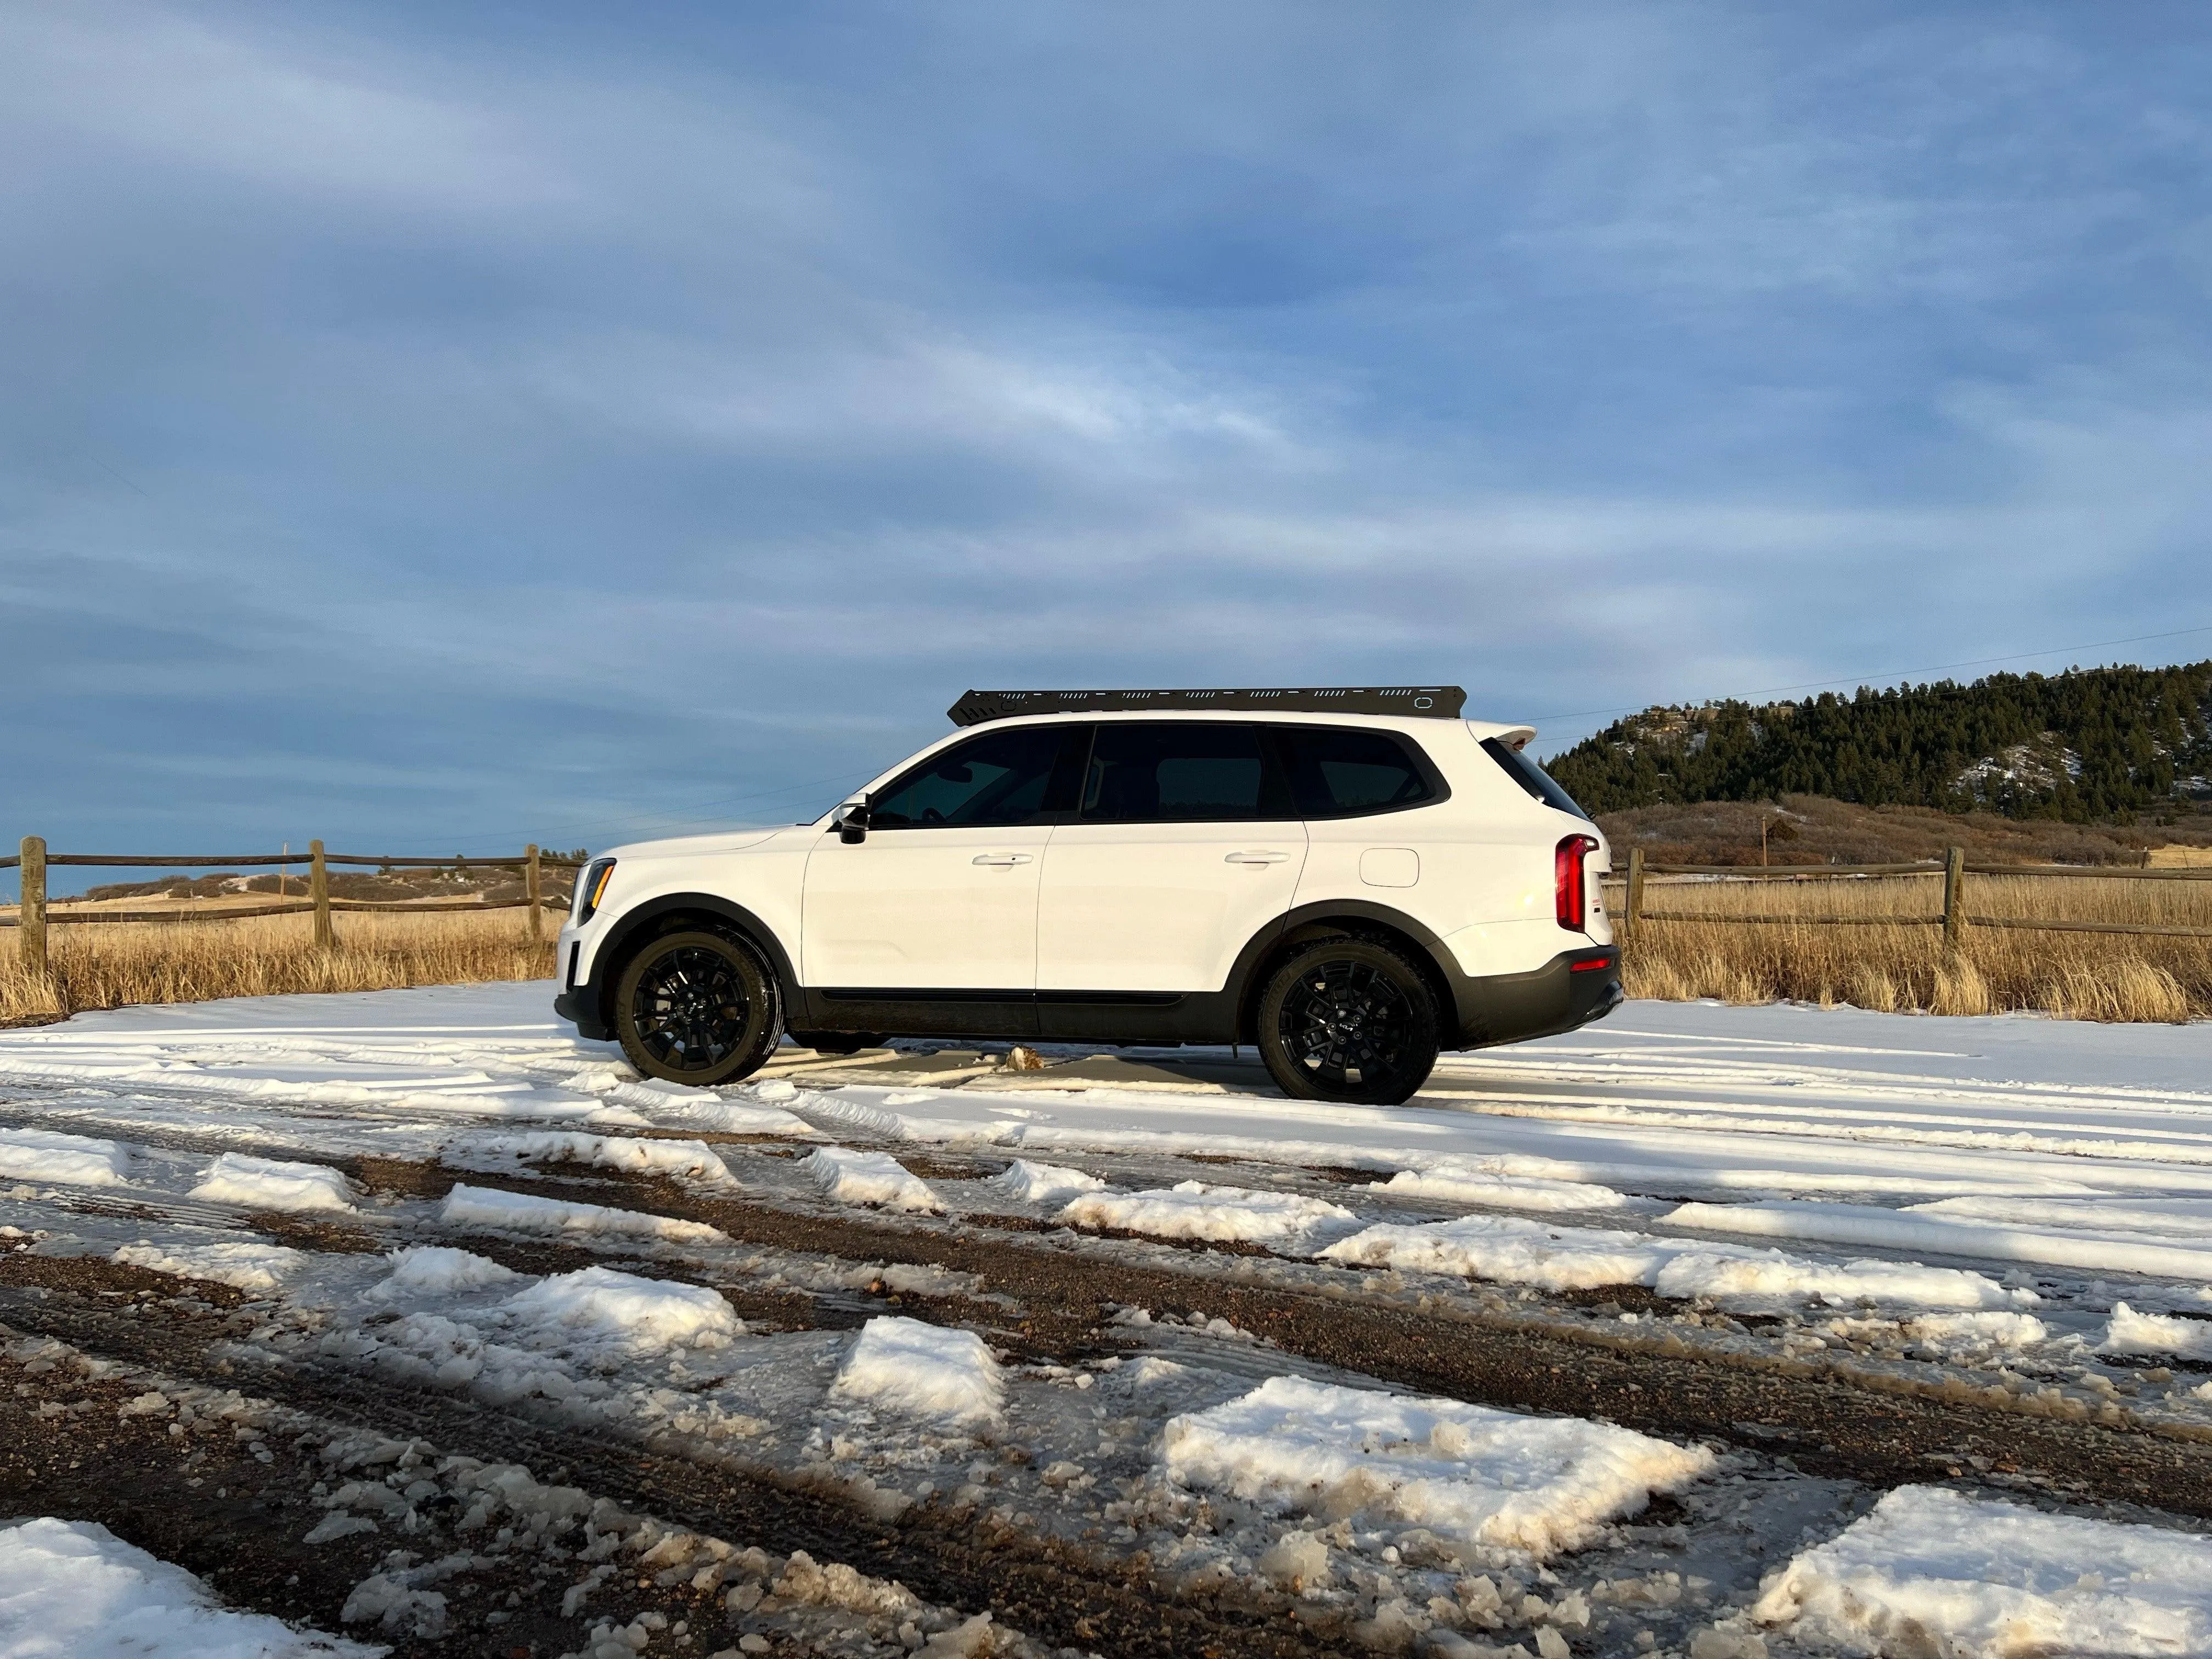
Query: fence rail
x,y
35,914
1954,919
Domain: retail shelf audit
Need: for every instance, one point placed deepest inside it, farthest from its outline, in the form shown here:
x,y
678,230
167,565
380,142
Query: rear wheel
x,y
1348,1019
696,1008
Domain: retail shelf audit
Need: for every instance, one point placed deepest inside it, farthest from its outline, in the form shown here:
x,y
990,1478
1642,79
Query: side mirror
x,y
851,821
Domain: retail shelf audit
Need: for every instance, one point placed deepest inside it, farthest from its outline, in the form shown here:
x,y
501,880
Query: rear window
x,y
1532,778
1341,773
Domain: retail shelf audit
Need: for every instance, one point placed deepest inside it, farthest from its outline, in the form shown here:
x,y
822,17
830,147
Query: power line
x,y
1902,673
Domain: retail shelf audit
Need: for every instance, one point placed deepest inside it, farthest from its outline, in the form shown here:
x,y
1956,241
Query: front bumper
x,y
580,1003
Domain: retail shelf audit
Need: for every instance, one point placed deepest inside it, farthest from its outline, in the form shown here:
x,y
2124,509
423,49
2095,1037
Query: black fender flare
x,y
1245,978
640,921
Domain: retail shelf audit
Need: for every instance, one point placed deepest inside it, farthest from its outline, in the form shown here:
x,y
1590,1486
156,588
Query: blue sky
x,y
436,427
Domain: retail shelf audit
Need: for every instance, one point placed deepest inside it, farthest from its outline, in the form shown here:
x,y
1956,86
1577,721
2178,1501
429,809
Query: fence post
x,y
1633,904
319,889
530,890
31,918
1954,898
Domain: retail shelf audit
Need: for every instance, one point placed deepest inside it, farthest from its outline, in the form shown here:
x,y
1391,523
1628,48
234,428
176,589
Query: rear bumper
x,y
1570,991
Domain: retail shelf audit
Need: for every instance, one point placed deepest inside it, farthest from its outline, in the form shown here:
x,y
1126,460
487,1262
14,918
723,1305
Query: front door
x,y
942,894
1185,845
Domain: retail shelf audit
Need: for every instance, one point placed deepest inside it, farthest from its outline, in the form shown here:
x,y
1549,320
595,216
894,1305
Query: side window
x,y
1337,773
999,778
1184,771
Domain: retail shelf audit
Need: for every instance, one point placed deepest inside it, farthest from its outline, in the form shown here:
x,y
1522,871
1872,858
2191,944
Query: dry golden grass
x,y
2078,976
95,966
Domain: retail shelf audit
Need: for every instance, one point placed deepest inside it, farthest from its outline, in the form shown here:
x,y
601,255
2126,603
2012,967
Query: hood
x,y
726,841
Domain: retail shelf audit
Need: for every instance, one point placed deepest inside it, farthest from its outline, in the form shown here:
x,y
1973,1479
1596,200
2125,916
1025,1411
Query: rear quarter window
x,y
1342,772
1532,778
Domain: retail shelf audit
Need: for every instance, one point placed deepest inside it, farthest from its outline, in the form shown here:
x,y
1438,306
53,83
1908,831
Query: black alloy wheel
x,y
697,1008
1348,1019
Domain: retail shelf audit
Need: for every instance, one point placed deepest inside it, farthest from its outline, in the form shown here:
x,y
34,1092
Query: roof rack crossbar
x,y
1441,702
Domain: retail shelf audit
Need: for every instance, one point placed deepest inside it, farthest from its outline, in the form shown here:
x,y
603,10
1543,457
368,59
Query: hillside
x,y
2103,744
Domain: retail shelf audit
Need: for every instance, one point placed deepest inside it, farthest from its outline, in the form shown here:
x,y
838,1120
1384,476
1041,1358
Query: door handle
x,y
1001,860
1256,858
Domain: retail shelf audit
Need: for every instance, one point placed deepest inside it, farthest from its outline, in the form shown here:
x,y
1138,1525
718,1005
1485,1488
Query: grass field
x,y
1888,968
95,966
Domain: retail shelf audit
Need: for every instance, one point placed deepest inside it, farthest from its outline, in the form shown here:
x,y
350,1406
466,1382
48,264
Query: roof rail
x,y
1441,702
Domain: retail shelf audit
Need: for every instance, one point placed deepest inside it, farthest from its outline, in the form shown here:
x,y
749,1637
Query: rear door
x,y
1184,845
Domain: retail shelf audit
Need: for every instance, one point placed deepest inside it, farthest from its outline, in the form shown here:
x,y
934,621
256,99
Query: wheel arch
x,y
1351,918
673,912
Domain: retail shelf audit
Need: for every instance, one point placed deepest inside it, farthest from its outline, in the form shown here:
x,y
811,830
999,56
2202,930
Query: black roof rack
x,y
1441,702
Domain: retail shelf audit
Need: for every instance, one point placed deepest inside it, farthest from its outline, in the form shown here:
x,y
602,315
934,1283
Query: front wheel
x,y
696,1008
1348,1019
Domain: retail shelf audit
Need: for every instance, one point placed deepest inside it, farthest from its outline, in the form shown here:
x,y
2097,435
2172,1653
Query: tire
x,y
835,1042
1350,1020
697,1008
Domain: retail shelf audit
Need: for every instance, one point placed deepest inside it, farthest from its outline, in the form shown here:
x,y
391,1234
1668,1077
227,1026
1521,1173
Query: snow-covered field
x,y
1068,1303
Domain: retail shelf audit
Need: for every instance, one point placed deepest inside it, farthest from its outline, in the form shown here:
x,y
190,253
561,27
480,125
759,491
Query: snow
x,y
1516,1251
1466,1185
268,1183
1192,1209
1932,1571
681,1160
249,1266
922,1370
489,1206
854,1178
1925,1229
1025,1182
439,1270
727,1117
2131,1333
1535,1484
73,1160
71,1589
643,1315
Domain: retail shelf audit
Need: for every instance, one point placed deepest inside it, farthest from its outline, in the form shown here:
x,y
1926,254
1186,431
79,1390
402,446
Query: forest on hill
x,y
2087,746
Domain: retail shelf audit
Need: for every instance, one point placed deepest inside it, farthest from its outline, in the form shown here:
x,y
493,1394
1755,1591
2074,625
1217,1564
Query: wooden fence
x,y
1954,919
34,915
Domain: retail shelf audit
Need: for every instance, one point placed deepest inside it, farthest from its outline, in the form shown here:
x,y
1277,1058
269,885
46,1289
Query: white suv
x,y
1347,879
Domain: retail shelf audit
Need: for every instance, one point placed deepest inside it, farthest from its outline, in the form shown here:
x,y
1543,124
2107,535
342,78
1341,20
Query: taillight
x,y
1571,882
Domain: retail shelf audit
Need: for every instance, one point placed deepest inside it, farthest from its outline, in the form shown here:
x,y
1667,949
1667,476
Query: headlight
x,y
592,888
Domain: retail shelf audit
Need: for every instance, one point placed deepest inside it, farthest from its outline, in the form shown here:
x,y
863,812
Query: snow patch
x,y
73,1160
1024,1182
242,1264
488,1207
1505,1192
1934,1572
681,1160
853,1177
1517,1251
641,1315
271,1183
1538,1484
440,1270
923,1371
1191,1209
2131,1333
73,1587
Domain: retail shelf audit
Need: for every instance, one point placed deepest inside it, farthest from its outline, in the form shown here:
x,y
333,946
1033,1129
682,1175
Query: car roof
x,y
1513,735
